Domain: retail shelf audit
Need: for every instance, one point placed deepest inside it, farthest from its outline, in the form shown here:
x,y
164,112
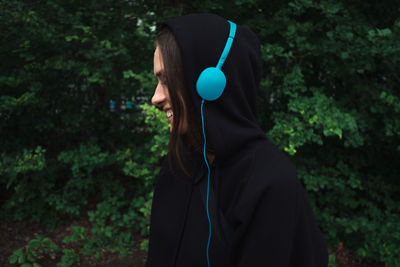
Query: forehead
x,y
158,63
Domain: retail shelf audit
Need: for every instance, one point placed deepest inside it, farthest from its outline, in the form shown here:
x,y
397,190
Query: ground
x,y
17,234
14,235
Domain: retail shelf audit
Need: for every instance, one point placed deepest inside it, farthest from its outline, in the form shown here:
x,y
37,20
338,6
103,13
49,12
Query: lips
x,y
169,114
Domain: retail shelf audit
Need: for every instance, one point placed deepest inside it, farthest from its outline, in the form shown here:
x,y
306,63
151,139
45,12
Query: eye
x,y
164,82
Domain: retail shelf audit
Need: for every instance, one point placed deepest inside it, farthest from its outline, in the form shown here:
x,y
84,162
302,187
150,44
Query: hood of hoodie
x,y
231,120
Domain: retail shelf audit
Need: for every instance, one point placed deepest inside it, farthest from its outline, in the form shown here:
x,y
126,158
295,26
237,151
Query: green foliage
x,y
145,164
27,161
62,64
115,218
69,258
36,249
332,261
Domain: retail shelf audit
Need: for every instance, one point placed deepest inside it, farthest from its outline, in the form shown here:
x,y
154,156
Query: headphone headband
x,y
228,45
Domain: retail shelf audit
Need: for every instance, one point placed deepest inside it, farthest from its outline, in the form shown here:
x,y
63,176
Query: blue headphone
x,y
210,85
211,82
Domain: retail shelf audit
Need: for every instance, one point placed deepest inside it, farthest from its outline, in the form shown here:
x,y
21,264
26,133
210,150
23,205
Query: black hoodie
x,y
261,213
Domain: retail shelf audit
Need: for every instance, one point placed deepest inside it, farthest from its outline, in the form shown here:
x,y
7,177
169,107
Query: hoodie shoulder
x,y
271,169
275,223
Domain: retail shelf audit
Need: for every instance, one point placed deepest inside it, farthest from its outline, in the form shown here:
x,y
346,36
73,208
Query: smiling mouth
x,y
169,115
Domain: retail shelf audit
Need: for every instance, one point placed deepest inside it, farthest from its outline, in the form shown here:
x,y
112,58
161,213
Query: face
x,y
161,96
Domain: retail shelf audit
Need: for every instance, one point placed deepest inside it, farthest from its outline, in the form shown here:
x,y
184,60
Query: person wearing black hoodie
x,y
225,195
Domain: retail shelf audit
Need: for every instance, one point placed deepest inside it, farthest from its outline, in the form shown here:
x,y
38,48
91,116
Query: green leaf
x,y
21,259
13,259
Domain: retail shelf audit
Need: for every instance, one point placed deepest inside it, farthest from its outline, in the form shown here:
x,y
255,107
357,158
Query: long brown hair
x,y
182,106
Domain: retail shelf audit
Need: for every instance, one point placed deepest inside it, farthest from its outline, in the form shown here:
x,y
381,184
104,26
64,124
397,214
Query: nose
x,y
159,96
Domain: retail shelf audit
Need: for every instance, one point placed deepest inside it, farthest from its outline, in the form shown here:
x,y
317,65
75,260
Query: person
x,y
238,201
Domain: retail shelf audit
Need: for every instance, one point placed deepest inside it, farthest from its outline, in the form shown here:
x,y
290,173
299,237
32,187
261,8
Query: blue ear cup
x,y
211,83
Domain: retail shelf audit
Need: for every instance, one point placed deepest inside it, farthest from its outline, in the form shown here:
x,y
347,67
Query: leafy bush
x,y
36,249
115,218
118,215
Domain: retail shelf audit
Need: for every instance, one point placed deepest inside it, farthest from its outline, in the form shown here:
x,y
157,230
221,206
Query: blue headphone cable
x,y
208,185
